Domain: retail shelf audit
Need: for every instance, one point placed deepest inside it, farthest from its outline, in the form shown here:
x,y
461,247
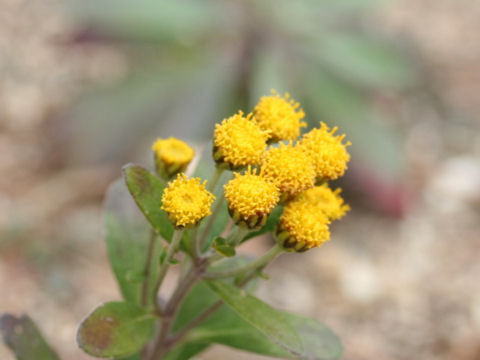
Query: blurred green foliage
x,y
192,63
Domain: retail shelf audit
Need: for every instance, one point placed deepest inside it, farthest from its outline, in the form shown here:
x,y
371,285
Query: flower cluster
x,y
292,174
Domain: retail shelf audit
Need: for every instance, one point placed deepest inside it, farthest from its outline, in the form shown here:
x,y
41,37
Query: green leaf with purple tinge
x,y
147,190
116,329
22,336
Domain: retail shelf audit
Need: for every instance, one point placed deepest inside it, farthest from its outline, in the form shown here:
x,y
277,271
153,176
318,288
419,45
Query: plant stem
x,y
215,178
201,240
162,345
254,265
197,248
147,268
200,318
172,249
237,233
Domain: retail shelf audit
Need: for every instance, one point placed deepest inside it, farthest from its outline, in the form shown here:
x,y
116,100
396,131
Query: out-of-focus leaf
x,y
319,342
259,314
115,329
269,225
23,337
111,119
310,17
127,236
364,61
332,101
150,19
147,190
268,72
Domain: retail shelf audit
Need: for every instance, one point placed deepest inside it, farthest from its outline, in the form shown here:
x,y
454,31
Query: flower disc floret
x,y
302,227
251,198
327,152
289,168
281,115
238,141
325,200
186,201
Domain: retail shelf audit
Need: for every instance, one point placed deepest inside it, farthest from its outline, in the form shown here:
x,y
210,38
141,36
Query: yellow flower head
x,y
280,115
186,201
289,168
327,151
325,200
302,227
251,198
238,142
171,156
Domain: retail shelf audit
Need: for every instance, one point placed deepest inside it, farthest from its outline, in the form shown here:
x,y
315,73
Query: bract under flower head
x,y
289,168
186,201
327,152
281,115
171,156
325,200
302,227
251,198
238,142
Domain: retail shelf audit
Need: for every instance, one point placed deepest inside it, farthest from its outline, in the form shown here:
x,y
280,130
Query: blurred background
x,y
87,85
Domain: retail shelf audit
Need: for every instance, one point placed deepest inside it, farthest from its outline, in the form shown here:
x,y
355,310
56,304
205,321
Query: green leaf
x,y
259,314
319,342
116,329
365,61
269,225
23,337
173,261
223,248
147,190
186,351
127,236
226,327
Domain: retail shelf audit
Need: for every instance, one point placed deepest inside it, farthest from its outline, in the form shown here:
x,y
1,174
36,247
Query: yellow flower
x,y
171,156
251,198
326,200
238,142
302,227
327,152
186,201
280,115
289,168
